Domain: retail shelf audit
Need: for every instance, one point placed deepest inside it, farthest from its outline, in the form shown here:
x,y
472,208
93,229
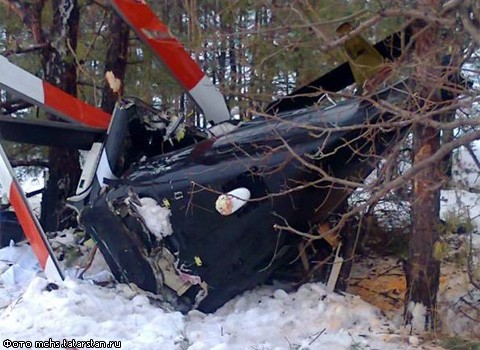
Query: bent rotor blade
x,y
42,94
49,133
338,78
364,59
152,31
29,222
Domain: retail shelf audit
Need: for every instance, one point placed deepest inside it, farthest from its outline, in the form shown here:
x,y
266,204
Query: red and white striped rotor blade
x,y
151,30
29,222
42,94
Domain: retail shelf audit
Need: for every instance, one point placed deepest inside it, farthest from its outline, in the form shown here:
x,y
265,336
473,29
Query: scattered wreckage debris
x,y
223,200
193,214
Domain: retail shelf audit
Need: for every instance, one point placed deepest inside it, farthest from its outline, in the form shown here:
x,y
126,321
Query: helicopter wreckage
x,y
199,220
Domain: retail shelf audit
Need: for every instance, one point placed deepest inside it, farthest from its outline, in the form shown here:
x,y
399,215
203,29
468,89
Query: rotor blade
x,y
364,59
170,51
336,79
49,133
29,222
42,94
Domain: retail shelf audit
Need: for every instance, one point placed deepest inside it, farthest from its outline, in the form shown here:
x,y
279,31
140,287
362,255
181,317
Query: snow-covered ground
x,y
266,318
32,310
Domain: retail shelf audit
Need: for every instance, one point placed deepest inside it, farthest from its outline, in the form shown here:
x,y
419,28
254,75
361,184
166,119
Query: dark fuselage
x,y
288,163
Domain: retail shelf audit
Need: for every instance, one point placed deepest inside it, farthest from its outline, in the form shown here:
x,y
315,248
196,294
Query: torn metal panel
x,y
227,254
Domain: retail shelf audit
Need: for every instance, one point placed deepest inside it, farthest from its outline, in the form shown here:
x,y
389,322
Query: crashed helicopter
x,y
198,221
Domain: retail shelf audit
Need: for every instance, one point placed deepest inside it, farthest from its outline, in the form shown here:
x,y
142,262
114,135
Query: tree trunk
x,y
423,268
116,60
60,70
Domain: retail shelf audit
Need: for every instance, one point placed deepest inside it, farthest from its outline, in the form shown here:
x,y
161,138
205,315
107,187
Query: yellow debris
x,y
198,261
364,60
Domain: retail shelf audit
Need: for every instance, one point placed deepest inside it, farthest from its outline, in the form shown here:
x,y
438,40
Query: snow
x,y
418,313
460,203
464,198
457,317
265,318
309,318
28,183
155,217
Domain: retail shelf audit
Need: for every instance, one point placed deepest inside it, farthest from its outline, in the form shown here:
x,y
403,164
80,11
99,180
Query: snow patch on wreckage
x,y
136,250
168,237
197,225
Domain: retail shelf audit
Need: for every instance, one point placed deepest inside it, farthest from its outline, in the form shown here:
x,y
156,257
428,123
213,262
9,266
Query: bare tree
x,y
433,60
